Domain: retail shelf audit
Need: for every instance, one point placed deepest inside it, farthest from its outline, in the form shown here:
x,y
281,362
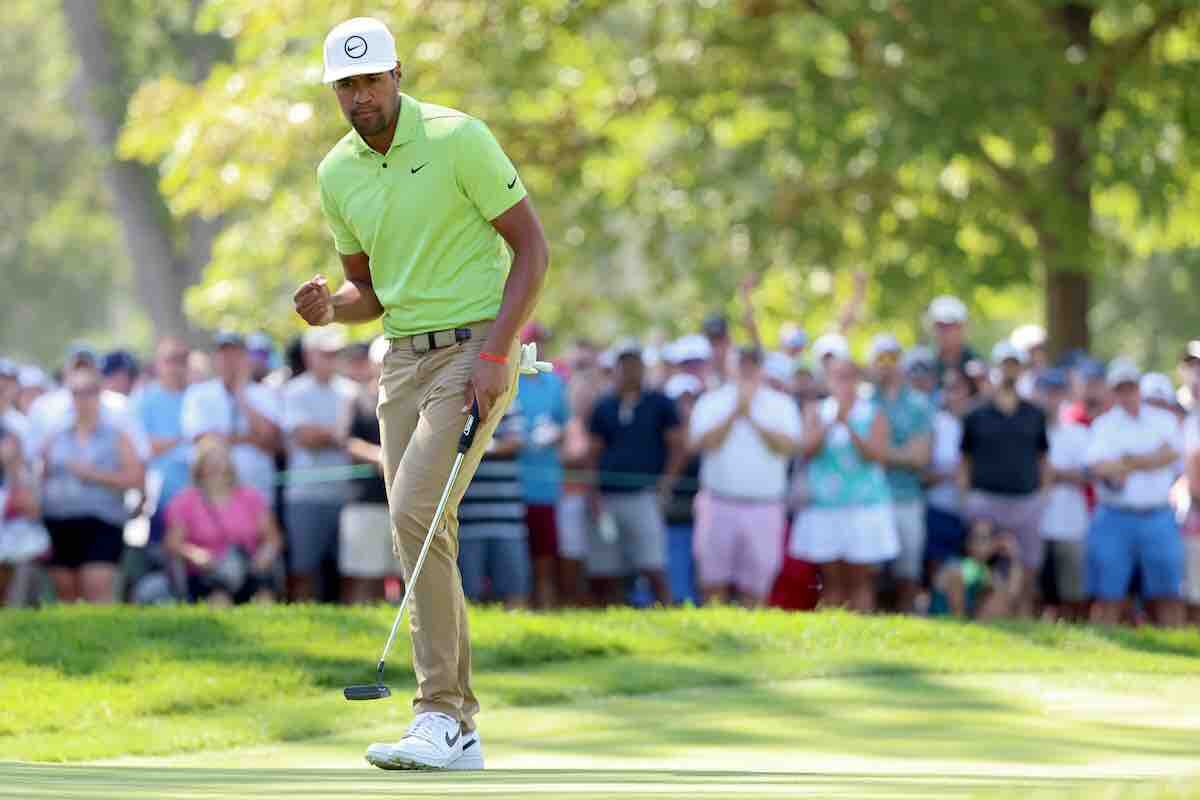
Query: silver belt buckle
x,y
420,342
432,340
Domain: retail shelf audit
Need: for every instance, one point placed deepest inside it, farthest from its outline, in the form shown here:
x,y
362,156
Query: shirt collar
x,y
407,128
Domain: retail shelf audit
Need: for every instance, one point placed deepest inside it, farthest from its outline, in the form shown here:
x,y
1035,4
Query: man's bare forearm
x,y
356,301
521,291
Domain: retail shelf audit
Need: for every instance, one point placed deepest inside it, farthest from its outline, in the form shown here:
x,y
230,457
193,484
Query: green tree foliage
x,y
676,146
672,148
59,258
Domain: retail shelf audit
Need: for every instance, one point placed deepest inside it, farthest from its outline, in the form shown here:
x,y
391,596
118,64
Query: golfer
x,y
421,201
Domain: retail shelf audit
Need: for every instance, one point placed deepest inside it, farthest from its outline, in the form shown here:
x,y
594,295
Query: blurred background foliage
x,y
1036,157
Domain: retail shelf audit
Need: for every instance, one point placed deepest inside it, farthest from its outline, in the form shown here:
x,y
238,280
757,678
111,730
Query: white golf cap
x,y
778,366
1122,370
1027,337
694,347
1006,351
359,46
1157,386
831,344
681,384
948,310
884,343
32,378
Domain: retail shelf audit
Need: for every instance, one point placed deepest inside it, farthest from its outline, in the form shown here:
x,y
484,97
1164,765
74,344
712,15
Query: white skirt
x,y
855,534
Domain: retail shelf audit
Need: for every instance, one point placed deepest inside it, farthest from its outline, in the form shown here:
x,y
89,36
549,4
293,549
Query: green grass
x,y
788,705
88,683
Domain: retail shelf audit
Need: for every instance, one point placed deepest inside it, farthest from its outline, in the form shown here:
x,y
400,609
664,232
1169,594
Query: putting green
x,y
902,735
31,782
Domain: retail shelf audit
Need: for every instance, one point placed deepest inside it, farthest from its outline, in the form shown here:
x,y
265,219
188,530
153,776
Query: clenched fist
x,y
313,301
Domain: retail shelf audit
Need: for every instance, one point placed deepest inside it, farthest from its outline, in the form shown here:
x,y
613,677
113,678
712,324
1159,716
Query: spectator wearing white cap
x,y
1065,518
1004,447
947,321
317,410
910,423
847,527
828,348
1134,450
693,355
32,383
745,433
779,372
1030,340
1158,391
684,390
365,556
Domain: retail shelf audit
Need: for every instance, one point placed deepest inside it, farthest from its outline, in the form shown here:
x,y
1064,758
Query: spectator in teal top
x,y
543,401
910,422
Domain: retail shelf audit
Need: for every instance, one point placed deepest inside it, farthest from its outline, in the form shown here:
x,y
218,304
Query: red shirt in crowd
x,y
1077,412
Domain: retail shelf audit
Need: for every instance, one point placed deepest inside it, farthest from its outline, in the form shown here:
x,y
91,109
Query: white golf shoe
x,y
433,741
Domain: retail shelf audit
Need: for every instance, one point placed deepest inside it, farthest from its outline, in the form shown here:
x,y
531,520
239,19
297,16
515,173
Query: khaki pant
x,y
421,419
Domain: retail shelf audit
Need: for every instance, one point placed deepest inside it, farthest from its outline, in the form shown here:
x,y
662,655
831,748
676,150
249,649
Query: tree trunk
x,y
1069,250
161,273
1067,302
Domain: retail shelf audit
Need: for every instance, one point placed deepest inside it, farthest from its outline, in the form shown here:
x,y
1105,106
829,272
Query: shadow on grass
x,y
1150,640
875,709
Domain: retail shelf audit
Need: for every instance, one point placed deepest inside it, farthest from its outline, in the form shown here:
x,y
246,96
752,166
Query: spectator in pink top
x,y
224,532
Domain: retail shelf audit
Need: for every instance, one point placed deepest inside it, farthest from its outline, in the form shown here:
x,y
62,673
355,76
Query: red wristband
x,y
495,359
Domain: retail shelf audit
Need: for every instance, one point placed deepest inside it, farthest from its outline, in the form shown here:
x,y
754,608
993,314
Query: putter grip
x,y
468,435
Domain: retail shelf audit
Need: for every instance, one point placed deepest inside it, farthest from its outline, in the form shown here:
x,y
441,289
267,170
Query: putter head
x,y
367,691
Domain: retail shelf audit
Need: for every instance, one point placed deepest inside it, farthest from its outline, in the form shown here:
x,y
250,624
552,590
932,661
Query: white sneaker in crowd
x,y
433,741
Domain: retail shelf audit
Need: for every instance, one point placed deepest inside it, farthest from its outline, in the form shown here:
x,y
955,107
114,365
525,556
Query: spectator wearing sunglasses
x,y
88,467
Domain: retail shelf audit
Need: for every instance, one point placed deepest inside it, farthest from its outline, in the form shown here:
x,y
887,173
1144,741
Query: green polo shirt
x,y
422,213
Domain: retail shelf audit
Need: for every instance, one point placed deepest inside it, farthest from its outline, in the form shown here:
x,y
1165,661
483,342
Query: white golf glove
x,y
529,363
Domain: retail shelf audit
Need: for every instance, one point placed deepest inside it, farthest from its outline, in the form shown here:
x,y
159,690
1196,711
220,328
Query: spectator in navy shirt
x,y
638,446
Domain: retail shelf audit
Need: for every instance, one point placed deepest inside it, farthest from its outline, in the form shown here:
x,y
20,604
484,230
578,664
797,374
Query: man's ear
x,y
398,72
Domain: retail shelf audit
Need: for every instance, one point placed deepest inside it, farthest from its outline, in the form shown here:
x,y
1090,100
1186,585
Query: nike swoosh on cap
x,y
513,182
451,742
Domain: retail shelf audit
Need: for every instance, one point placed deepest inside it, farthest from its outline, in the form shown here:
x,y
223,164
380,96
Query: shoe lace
x,y
425,726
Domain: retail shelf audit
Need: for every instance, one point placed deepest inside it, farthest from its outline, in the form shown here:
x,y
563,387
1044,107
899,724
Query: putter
x,y
377,691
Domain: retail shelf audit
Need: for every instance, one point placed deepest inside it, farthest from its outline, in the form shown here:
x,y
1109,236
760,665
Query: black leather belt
x,y
435,340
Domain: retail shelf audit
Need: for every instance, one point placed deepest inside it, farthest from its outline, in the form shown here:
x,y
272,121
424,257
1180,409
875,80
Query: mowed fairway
x,y
187,703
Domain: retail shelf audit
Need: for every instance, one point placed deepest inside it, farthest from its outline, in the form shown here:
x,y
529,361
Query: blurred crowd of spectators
x,y
930,479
